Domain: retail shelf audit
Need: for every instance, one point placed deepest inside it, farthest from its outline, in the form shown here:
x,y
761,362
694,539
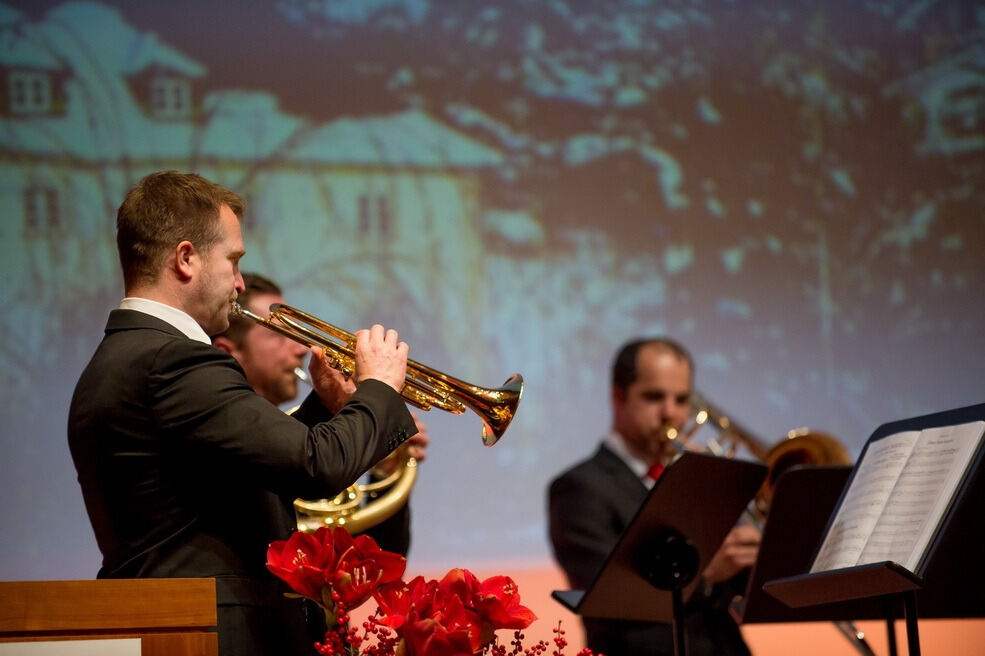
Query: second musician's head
x,y
267,357
652,380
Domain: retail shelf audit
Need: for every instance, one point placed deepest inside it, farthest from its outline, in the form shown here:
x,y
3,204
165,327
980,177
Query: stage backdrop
x,y
795,190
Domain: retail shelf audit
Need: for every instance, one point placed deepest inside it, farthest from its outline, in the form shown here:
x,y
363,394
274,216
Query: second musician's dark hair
x,y
624,369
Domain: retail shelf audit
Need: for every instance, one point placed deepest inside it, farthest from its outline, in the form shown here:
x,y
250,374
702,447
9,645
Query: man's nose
x,y
672,411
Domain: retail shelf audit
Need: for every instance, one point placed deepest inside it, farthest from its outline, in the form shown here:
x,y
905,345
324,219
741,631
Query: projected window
x,y
375,216
30,92
170,97
41,216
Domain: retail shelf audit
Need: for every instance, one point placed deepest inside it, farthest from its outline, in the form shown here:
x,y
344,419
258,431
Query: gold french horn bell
x,y
361,506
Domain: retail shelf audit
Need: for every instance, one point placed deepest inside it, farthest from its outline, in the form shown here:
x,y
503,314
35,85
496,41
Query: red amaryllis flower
x,y
447,629
496,600
457,615
315,565
361,568
430,619
301,561
499,603
396,600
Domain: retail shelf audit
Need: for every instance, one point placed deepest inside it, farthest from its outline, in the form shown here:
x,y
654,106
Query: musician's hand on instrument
x,y
738,552
381,356
332,387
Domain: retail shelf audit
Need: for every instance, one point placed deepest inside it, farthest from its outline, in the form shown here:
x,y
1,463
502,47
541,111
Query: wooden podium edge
x,y
171,617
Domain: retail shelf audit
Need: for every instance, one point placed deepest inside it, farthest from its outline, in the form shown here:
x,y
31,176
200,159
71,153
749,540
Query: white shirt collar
x,y
617,445
172,315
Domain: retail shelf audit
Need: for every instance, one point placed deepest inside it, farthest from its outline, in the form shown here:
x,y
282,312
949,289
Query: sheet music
x,y
898,497
922,493
864,502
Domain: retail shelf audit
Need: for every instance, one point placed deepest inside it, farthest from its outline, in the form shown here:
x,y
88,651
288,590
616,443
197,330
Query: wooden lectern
x,y
171,617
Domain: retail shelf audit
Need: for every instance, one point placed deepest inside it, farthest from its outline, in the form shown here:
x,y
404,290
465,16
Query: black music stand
x,y
949,578
678,528
803,500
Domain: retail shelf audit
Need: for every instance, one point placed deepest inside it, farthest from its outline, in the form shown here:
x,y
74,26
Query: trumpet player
x,y
270,361
591,504
179,460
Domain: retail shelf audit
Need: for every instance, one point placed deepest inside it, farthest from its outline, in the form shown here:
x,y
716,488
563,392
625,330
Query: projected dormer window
x,y
170,97
41,216
30,92
375,218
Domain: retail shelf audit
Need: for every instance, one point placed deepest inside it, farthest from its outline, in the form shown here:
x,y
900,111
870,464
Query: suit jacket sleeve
x,y
581,527
201,397
393,533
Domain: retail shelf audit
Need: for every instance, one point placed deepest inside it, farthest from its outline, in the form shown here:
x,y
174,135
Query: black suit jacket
x,y
186,472
589,507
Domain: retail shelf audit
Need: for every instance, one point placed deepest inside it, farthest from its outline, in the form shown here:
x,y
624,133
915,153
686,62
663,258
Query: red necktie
x,y
655,470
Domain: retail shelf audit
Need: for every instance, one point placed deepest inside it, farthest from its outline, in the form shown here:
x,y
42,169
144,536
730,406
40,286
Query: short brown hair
x,y
624,370
164,209
255,286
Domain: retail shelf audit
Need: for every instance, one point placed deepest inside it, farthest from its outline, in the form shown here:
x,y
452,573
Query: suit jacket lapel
x,y
627,490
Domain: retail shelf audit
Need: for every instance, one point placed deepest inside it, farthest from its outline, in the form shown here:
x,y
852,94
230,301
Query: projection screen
x,y
794,190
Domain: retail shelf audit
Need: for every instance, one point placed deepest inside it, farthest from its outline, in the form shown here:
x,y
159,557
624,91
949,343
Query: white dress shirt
x,y
172,315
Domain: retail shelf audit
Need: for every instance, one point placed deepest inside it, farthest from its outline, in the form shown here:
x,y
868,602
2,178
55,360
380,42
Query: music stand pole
x,y
672,565
890,625
912,632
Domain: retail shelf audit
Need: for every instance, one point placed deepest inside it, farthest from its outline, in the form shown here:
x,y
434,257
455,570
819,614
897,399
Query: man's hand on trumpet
x,y
333,388
378,355
381,356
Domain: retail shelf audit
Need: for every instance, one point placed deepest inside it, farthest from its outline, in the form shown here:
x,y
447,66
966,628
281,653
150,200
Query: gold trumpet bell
x,y
499,408
495,406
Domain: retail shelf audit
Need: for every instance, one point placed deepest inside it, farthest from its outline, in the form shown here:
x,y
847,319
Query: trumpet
x,y
362,506
424,387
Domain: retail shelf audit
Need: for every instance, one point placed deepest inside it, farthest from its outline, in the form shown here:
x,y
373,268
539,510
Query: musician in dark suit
x,y
183,467
270,362
591,504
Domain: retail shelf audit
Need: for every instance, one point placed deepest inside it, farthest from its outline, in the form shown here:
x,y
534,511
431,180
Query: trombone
x,y
424,387
799,447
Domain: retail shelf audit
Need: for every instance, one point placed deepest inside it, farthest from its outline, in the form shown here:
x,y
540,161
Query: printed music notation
x,y
898,497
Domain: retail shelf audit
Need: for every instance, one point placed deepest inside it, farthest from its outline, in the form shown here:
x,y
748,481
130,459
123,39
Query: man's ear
x,y
224,344
186,260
